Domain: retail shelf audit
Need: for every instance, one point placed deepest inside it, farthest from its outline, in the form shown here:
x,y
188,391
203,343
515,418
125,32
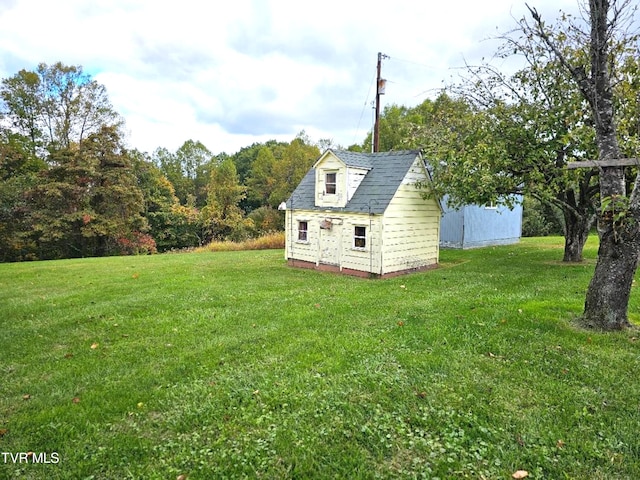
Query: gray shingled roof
x,y
386,171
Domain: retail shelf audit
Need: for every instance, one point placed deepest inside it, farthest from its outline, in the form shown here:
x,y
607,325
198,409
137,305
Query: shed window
x,y
360,237
330,183
302,231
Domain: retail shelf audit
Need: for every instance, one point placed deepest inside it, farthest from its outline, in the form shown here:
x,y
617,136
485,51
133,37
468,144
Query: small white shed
x,y
363,214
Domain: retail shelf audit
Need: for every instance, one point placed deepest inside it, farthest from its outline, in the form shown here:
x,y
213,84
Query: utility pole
x,y
380,85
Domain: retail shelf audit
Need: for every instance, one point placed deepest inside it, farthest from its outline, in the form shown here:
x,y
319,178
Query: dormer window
x,y
330,183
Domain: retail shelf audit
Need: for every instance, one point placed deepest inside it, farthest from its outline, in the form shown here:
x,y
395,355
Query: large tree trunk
x,y
608,294
607,297
576,232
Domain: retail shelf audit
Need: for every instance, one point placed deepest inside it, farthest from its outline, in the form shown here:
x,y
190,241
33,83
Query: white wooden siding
x,y
331,164
354,178
411,226
366,260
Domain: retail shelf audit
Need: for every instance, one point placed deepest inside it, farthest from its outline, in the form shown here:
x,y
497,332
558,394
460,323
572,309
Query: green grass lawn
x,y
233,365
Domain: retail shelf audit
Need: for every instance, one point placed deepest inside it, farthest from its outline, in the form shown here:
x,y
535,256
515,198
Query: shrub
x,y
539,220
137,244
267,219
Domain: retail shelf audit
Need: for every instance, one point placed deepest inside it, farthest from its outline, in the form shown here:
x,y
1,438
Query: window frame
x,y
362,238
334,183
301,231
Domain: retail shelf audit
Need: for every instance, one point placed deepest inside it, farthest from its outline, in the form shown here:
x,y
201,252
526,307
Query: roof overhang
x,y
327,153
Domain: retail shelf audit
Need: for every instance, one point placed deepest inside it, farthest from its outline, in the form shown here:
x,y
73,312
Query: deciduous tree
x,y
87,203
607,297
291,167
55,105
262,182
222,215
19,172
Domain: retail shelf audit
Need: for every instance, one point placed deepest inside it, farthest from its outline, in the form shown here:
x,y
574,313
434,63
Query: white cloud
x,y
253,70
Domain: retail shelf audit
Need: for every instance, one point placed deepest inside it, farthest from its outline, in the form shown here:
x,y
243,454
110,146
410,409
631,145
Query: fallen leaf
x,y
3,432
75,400
256,392
317,305
421,394
520,474
402,286
26,396
520,311
140,404
135,275
181,477
401,323
560,444
94,345
68,355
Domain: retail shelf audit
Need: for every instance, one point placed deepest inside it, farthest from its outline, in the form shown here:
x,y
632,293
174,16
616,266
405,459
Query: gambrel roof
x,y
386,170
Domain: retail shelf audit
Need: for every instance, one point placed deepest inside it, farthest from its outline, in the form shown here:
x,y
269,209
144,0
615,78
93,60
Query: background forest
x,y
70,187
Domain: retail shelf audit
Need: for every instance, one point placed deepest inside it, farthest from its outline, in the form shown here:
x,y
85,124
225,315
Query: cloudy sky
x,y
242,71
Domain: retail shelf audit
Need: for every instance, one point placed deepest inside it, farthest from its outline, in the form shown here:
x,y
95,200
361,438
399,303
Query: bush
x,y
539,220
137,244
267,219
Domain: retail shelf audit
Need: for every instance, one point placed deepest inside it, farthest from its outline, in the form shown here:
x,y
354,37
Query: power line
x,y
424,65
373,78
412,62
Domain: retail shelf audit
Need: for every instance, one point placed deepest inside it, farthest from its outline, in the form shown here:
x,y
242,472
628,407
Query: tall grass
x,y
268,241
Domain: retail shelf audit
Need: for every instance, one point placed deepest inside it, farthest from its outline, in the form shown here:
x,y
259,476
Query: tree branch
x,y
578,74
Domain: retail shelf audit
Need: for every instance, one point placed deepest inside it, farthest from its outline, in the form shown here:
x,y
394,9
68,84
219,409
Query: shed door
x,y
330,244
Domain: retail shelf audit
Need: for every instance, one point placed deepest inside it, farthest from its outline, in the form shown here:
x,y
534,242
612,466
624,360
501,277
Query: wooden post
x,y
379,89
616,162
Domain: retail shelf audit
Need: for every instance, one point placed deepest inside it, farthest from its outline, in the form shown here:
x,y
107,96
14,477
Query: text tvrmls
x,y
30,457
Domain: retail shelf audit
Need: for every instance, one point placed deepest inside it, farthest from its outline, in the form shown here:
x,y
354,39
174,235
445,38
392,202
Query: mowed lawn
x,y
233,365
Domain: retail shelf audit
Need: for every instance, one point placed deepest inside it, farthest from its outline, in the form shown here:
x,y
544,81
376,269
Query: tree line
x,y
70,188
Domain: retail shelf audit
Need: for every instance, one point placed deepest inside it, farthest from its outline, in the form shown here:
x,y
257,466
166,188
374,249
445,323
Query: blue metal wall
x,y
478,226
